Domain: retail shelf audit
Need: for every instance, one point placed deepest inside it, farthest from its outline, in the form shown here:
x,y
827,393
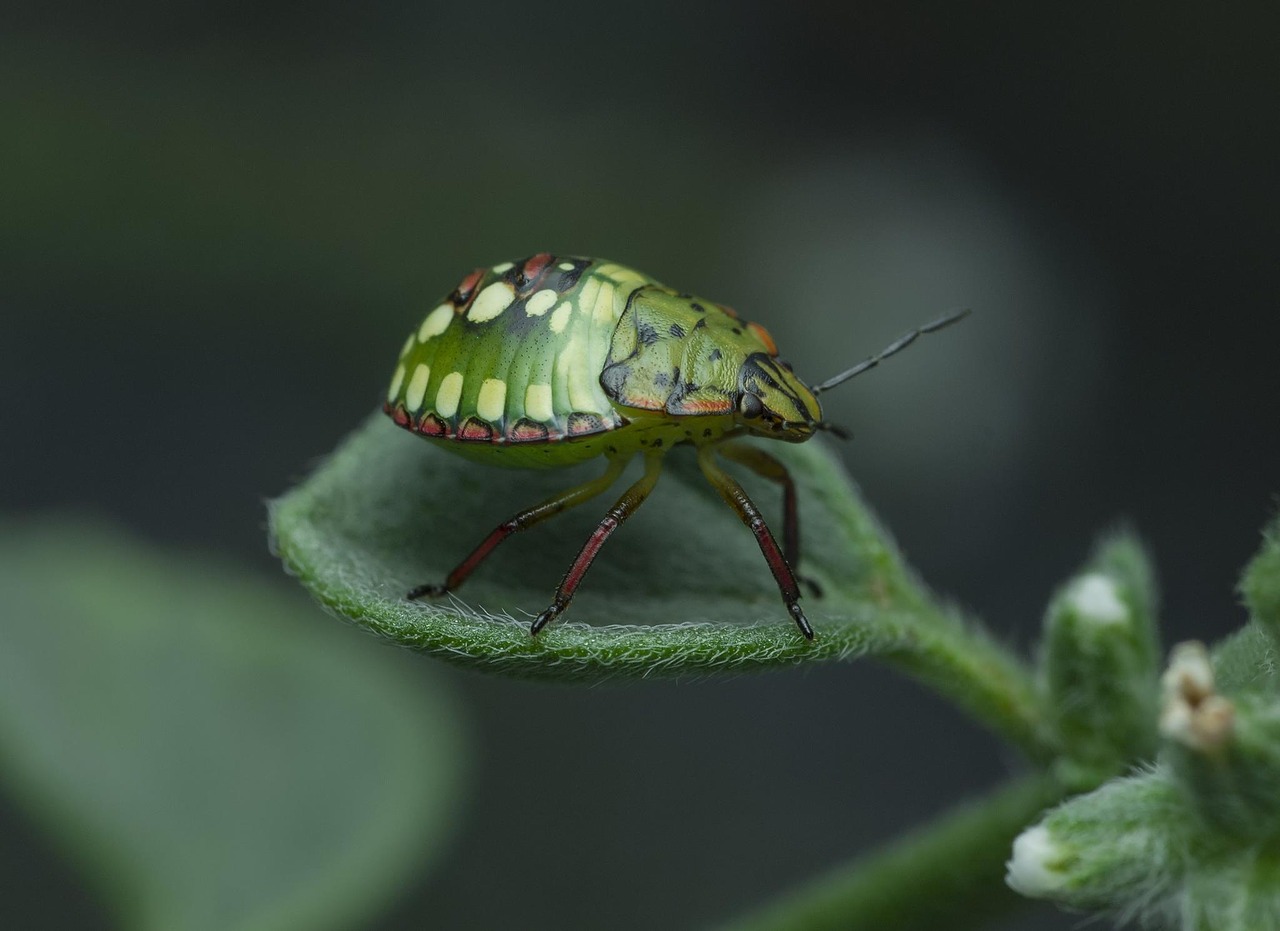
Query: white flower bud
x,y
1096,600
1193,714
1031,871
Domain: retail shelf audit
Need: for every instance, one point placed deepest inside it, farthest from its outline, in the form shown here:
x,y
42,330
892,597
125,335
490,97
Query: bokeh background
x,y
218,221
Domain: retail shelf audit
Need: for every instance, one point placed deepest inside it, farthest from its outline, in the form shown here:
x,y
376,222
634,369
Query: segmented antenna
x,y
899,344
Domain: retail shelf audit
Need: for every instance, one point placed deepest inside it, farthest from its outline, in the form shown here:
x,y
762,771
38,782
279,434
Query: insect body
x,y
555,360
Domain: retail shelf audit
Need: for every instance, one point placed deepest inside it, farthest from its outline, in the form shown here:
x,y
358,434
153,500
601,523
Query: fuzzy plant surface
x,y
1144,822
208,757
1190,840
683,592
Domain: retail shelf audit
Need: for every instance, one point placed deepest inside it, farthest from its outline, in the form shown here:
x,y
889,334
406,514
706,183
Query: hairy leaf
x,y
681,589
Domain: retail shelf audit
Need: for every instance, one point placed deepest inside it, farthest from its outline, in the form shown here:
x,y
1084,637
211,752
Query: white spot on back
x,y
504,267
537,403
540,303
565,266
492,301
572,361
560,319
408,344
436,323
493,396
449,394
396,382
604,304
417,387
587,296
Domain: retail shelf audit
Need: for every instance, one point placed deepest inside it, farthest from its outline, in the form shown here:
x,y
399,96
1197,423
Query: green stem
x,y
947,875
963,663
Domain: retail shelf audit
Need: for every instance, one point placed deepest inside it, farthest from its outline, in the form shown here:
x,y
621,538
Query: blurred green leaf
x,y
214,754
389,511
1260,584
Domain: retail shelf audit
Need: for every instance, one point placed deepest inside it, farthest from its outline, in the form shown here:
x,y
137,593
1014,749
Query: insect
x,y
555,360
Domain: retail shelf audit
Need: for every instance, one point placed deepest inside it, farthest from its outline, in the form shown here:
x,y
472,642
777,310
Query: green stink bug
x,y
554,360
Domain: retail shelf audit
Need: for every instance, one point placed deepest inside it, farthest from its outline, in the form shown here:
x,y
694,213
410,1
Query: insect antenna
x,y
899,344
829,427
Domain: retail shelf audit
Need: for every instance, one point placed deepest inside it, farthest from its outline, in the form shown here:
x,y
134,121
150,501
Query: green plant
x,y
1171,812
209,756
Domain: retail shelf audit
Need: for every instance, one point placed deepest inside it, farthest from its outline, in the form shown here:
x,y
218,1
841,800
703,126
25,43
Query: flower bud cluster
x,y
1191,840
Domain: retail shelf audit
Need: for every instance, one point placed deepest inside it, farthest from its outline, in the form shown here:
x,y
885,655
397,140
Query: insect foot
x,y
545,618
427,591
802,622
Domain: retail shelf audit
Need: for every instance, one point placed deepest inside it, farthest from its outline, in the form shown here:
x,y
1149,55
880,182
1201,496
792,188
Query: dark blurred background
x,y
219,220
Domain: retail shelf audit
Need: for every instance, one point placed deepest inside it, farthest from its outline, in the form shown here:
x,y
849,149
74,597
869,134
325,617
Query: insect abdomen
x,y
513,355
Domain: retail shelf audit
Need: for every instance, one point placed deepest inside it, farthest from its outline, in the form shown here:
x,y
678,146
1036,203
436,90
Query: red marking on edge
x,y
764,336
535,265
528,431
431,425
467,286
708,406
400,416
475,429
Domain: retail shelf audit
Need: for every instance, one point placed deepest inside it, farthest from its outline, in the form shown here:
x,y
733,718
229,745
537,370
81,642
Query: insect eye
x,y
750,406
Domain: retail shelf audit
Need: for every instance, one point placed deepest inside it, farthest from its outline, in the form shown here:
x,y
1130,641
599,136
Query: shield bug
x,y
554,360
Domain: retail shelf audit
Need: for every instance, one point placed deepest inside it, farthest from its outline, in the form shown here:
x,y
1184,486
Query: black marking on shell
x,y
525,430
614,378
646,334
581,423
563,279
676,330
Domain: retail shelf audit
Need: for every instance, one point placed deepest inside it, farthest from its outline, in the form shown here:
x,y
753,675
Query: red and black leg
x,y
737,499
631,499
766,466
523,521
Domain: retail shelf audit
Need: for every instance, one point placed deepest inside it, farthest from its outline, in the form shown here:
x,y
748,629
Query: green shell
x,y
513,355
680,355
531,364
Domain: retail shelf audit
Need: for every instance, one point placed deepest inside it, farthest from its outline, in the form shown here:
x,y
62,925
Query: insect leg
x,y
631,499
766,466
523,521
737,499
